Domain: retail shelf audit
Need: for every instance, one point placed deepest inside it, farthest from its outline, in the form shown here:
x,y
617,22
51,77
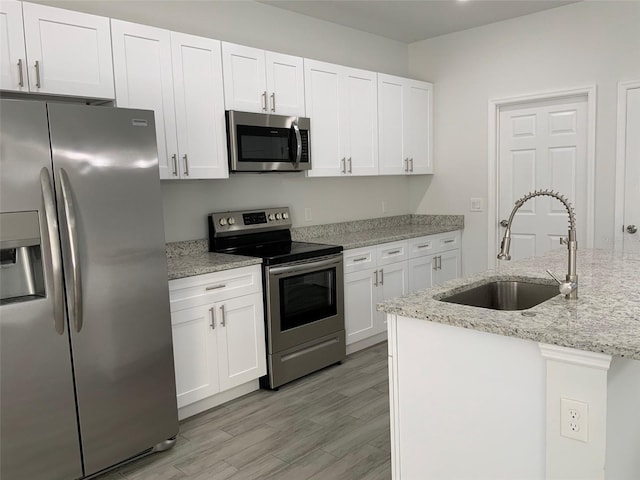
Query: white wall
x,y
186,203
586,43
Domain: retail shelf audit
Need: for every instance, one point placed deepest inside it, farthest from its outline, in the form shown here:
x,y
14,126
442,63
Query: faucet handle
x,y
565,287
563,241
553,276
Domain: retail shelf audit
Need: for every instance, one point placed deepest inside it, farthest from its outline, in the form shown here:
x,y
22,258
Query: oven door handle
x,y
296,130
304,267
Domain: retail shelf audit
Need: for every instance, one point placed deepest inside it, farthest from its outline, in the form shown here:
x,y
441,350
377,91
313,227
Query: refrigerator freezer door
x,y
39,438
112,232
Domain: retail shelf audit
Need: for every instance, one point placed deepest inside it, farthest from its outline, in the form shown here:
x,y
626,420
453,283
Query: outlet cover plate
x,y
574,419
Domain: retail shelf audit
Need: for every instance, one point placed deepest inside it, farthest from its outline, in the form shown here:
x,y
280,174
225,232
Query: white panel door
x,y
241,345
285,84
245,84
393,280
359,113
144,79
421,273
418,126
360,297
391,128
449,266
69,52
13,57
322,99
195,354
199,106
631,235
542,146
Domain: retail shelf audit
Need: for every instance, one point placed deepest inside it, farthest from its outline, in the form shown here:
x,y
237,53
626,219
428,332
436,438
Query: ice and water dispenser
x,y
21,269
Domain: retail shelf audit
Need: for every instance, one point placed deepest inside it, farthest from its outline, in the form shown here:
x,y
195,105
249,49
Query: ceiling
x,y
412,21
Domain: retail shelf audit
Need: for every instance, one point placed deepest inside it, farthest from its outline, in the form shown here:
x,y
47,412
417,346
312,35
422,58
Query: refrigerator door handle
x,y
51,233
72,237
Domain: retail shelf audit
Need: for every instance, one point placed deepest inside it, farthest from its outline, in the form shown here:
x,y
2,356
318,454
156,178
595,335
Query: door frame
x,y
495,105
621,159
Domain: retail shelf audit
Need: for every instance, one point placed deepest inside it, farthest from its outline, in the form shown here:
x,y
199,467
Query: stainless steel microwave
x,y
259,142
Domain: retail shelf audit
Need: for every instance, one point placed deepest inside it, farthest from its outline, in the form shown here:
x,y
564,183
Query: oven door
x,y
261,143
305,301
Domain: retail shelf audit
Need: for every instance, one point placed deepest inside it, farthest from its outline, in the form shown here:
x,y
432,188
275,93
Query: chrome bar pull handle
x,y
411,160
273,101
224,316
406,164
20,74
216,287
186,164
37,65
435,263
212,310
75,307
51,233
350,166
174,160
264,100
343,162
439,262
359,259
382,276
393,252
375,282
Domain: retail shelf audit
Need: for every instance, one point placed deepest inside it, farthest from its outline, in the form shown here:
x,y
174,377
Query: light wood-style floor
x,y
331,425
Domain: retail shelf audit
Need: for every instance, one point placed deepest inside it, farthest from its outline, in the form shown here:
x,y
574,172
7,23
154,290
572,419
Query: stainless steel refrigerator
x,y
85,332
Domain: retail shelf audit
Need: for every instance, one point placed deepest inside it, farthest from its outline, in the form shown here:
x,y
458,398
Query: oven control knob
x,y
231,220
278,216
272,217
222,221
285,215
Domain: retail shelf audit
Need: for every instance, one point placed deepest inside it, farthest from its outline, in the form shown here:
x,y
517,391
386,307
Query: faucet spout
x,y
569,288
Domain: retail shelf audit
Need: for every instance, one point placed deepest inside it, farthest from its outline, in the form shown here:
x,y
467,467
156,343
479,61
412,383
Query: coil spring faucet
x,y
569,288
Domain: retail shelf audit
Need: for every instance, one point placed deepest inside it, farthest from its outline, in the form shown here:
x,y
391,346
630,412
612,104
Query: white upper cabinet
x,y
199,104
13,60
342,105
63,52
405,125
264,82
179,77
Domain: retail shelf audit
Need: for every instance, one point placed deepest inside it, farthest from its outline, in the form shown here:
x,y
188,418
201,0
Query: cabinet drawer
x,y
447,241
214,287
358,259
422,246
392,252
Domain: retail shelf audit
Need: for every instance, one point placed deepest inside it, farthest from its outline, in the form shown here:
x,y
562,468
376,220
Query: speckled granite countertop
x,y
186,259
364,233
191,257
605,318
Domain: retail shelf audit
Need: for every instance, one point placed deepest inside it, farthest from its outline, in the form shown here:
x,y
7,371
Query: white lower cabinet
x,y
381,272
218,333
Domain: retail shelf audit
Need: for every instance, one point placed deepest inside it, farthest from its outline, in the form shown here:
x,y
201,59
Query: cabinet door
x,y
322,87
72,52
245,85
241,341
195,353
391,128
285,84
360,297
449,266
199,106
144,79
418,126
13,59
421,273
359,113
393,280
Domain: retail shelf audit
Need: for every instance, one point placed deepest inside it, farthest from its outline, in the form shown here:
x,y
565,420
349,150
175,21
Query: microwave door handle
x,y
296,130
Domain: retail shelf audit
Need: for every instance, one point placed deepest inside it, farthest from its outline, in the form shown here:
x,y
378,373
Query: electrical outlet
x,y
574,419
307,214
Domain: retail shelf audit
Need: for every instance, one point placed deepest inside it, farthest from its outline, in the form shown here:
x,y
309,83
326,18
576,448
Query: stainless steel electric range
x,y
303,290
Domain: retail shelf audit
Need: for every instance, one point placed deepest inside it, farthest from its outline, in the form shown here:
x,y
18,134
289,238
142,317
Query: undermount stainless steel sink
x,y
504,295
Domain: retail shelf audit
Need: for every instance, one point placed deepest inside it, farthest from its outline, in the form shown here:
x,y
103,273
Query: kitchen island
x,y
547,392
